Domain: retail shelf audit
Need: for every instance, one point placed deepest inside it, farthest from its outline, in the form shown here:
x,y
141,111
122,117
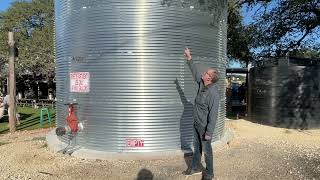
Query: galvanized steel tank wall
x,y
140,84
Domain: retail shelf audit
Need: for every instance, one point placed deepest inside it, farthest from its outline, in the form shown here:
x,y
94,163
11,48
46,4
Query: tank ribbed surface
x,y
140,84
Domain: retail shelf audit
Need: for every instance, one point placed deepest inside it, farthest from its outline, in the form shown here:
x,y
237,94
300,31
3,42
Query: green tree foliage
x,y
285,26
306,53
3,68
32,22
240,37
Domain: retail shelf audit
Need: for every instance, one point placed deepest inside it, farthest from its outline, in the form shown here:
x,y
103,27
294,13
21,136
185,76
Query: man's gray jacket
x,y
205,110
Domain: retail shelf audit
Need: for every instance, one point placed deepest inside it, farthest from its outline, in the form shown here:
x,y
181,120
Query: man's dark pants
x,y
200,144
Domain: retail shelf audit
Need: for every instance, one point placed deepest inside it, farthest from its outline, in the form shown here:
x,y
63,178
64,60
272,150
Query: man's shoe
x,y
190,172
207,177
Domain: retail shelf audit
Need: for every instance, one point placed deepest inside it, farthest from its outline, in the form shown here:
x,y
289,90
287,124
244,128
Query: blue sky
x,y
4,4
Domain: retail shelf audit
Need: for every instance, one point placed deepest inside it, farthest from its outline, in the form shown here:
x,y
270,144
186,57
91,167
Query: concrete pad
x,y
56,145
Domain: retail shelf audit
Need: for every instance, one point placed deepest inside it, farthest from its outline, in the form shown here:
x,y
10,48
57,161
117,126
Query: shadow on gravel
x,y
3,143
144,174
188,159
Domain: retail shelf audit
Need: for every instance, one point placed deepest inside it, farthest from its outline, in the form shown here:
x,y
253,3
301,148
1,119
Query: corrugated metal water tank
x,y
138,85
285,93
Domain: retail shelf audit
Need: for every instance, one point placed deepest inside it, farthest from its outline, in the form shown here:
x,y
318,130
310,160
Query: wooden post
x,y
12,83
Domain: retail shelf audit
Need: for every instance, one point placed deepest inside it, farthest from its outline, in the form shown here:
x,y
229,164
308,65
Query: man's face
x,y
207,76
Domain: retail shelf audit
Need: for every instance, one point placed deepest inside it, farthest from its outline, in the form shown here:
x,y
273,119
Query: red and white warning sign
x,y
80,82
135,142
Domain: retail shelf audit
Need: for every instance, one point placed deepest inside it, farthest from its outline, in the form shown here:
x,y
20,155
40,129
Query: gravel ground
x,y
256,152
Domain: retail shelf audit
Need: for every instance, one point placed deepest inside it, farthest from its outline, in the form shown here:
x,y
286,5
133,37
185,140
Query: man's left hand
x,y
207,137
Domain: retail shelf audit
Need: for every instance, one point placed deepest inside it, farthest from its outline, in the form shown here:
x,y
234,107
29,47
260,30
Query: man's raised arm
x,y
194,69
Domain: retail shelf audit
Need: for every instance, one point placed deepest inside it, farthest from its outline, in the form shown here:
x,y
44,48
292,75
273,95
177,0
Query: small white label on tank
x,y
80,82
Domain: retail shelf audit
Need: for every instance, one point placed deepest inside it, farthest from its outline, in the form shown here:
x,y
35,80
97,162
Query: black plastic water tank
x,y
285,92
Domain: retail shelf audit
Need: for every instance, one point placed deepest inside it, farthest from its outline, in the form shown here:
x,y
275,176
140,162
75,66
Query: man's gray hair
x,y
215,75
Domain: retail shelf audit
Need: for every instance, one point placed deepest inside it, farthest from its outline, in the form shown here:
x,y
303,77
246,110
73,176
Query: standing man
x,y
205,113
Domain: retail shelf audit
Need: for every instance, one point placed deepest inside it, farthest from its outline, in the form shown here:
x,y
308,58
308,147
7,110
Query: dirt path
x,y
256,152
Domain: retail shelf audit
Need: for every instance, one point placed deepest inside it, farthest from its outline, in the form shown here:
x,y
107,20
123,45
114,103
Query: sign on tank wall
x,y
80,82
